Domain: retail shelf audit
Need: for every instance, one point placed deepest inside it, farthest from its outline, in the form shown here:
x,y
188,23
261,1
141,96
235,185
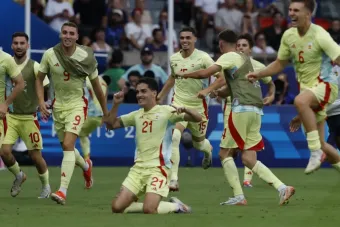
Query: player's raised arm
x,y
166,88
203,73
99,93
112,122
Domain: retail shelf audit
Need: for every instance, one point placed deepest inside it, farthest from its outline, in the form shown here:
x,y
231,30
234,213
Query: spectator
x,y
37,8
112,6
163,25
115,72
275,32
250,19
206,9
228,17
130,95
157,43
85,41
146,15
100,45
334,30
57,13
90,14
136,32
149,74
146,58
115,35
261,45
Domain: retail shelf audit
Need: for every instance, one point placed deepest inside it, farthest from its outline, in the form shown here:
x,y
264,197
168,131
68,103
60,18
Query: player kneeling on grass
x,y
22,120
150,174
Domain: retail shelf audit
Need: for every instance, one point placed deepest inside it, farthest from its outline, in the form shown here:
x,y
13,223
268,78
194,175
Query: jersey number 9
x,y
66,76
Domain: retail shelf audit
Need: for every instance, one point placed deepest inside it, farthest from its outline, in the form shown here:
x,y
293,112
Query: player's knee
x,y
5,151
68,146
225,153
300,102
35,155
116,208
149,210
176,137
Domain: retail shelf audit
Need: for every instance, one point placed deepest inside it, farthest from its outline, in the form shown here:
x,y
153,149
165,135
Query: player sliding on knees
x,y
312,50
242,131
68,65
22,120
188,59
151,172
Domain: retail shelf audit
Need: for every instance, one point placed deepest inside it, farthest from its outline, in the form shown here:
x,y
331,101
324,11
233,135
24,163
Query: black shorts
x,y
333,123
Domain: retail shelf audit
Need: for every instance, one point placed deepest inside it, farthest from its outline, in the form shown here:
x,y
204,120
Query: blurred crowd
x,y
115,26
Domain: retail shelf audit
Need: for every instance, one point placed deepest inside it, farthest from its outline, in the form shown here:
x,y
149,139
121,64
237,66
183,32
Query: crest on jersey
x,y
310,45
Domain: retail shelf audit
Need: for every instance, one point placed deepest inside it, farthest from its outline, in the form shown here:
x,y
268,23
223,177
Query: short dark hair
x,y
188,29
309,4
152,84
258,34
228,36
70,24
247,37
117,56
149,74
20,34
155,31
134,73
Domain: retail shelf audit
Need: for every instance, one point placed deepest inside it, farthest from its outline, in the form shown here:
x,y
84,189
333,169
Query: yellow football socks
x,y
175,156
80,161
313,141
265,174
230,172
204,146
85,146
44,178
67,167
163,208
15,169
248,174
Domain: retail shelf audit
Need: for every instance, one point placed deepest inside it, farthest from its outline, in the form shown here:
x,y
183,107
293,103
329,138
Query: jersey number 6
x,y
301,59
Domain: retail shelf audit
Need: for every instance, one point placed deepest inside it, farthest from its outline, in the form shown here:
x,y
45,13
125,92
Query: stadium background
x,y
282,148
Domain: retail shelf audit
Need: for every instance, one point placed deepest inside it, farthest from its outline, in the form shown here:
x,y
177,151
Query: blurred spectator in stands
x,y
250,23
228,17
37,8
275,32
183,11
163,25
115,72
114,5
85,41
282,96
90,14
57,13
261,46
146,15
149,74
157,43
99,45
130,95
115,35
138,34
334,30
146,58
205,11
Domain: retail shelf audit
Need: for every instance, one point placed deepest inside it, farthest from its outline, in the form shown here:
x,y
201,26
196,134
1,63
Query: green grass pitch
x,y
316,202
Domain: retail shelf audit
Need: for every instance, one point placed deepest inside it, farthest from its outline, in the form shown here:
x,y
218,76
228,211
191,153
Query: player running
x,y
150,174
22,120
188,59
242,131
312,50
95,116
68,65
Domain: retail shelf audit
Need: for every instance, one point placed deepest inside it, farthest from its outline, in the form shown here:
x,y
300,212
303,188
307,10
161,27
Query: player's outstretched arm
x,y
203,73
220,82
189,114
39,89
166,88
100,95
223,92
273,68
271,94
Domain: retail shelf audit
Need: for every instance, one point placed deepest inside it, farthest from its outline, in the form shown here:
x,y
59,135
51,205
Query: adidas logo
x,y
293,46
56,64
35,146
63,174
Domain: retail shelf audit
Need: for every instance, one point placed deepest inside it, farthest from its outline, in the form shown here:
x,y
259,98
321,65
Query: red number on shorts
x,y
77,118
203,125
224,131
147,124
301,59
156,180
34,137
67,76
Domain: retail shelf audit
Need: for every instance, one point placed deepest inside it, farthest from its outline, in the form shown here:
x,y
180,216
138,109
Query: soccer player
x,y
22,120
150,174
94,118
244,122
312,49
188,59
68,65
9,68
